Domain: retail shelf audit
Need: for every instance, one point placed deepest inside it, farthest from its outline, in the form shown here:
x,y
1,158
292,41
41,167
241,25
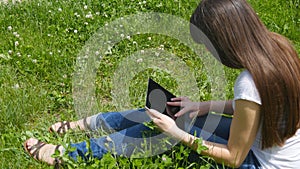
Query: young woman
x,y
264,131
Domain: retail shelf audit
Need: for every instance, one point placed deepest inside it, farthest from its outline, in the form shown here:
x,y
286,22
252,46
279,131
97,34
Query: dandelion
x,y
16,43
9,28
85,7
75,31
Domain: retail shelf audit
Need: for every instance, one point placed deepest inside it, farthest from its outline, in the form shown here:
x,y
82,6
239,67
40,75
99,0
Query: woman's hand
x,y
165,124
187,105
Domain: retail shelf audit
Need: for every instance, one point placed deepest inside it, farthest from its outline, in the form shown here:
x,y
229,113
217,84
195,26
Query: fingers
x,y
179,98
153,113
174,103
181,112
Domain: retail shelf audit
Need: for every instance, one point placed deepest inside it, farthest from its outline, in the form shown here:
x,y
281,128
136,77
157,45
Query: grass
x,y
40,41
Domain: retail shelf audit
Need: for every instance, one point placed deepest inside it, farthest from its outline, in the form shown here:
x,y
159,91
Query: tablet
x,y
157,98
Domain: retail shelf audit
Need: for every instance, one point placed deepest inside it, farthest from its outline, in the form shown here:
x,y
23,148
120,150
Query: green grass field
x,y
40,42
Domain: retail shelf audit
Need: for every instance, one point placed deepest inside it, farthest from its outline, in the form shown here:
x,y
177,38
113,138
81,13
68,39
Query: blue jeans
x,y
128,133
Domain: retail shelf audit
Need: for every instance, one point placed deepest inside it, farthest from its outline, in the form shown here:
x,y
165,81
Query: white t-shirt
x,y
287,156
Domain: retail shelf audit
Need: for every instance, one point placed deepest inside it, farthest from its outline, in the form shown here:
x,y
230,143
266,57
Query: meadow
x,y
40,41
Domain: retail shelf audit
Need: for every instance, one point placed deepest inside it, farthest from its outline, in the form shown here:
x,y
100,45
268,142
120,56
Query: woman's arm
x,y
201,108
217,106
243,131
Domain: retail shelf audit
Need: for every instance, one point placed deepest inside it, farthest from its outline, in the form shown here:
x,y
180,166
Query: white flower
x,y
58,51
156,54
75,31
59,9
142,51
16,43
49,35
128,37
65,76
16,86
121,26
49,11
19,54
89,15
97,53
34,60
144,2
139,60
86,23
29,56
85,7
149,38
50,53
122,35
15,33
9,28
97,13
10,52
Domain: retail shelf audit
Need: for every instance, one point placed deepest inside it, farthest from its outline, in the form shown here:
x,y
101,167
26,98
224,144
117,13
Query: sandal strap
x,y
63,125
37,146
56,160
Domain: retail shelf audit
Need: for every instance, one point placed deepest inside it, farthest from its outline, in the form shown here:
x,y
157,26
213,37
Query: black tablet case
x,y
157,98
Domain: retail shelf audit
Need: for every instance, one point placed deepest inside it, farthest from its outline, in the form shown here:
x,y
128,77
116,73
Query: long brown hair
x,y
242,41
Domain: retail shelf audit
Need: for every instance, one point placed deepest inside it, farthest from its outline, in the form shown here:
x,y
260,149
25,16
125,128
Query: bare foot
x,y
42,151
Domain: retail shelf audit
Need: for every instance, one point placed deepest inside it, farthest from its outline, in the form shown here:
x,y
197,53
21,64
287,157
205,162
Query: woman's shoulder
x,y
245,88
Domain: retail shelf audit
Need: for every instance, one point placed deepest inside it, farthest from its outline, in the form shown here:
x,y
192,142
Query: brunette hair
x,y
242,41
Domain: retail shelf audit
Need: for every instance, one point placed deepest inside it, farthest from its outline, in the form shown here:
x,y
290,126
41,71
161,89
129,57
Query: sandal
x,y
63,128
36,153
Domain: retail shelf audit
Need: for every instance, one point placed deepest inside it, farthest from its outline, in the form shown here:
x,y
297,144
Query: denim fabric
x,y
127,132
